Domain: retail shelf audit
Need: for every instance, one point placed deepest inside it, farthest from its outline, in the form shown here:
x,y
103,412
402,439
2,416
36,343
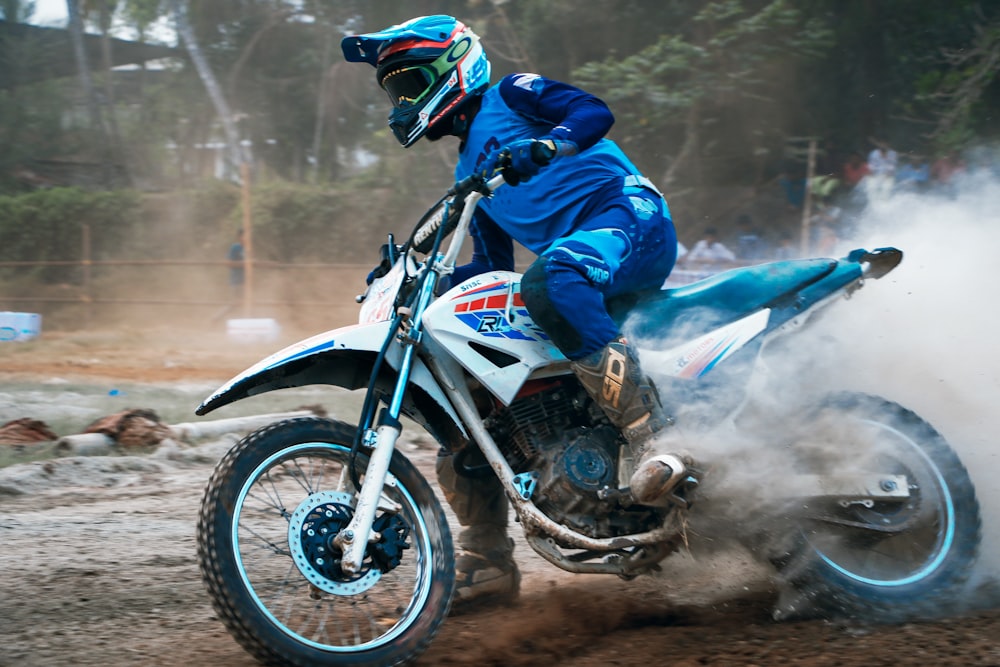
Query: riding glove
x,y
522,159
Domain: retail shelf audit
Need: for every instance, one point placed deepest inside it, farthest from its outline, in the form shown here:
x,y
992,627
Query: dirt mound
x,y
25,430
135,427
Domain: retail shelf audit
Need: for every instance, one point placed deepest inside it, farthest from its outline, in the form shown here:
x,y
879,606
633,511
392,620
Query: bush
x,y
308,223
48,225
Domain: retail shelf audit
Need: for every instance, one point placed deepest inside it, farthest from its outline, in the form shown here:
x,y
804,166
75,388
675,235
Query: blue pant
x,y
627,244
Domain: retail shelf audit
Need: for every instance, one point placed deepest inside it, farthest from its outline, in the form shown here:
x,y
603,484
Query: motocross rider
x,y
598,227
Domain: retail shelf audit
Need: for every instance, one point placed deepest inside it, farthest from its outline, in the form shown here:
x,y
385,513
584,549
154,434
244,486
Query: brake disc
x,y
312,528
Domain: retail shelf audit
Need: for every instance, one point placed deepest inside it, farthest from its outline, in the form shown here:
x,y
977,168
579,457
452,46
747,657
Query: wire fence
x,y
182,291
178,291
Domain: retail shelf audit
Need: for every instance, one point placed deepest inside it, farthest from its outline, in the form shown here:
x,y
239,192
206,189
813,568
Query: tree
x,y
16,11
725,68
97,120
960,91
238,153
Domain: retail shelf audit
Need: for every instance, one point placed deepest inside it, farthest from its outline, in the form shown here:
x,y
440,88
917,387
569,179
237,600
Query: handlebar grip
x,y
469,184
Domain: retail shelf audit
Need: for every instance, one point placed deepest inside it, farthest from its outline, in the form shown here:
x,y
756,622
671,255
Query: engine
x,y
556,431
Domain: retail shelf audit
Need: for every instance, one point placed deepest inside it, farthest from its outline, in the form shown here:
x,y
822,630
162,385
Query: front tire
x,y
267,519
890,561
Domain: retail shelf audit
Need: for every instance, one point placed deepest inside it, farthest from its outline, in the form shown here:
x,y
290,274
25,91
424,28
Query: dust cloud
x,y
920,337
923,336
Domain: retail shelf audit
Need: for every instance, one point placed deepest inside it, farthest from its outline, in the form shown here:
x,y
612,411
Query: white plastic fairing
x,y
358,338
380,299
697,357
484,324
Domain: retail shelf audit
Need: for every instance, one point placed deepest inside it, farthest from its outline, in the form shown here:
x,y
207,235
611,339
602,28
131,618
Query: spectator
x,y
944,170
237,276
793,184
855,169
882,167
682,250
786,247
913,175
946,166
709,250
235,257
749,244
826,240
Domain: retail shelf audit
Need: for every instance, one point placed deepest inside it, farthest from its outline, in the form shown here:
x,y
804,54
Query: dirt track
x,y
99,565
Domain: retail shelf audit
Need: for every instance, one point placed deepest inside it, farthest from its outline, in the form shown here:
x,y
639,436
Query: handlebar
x,y
453,212
444,217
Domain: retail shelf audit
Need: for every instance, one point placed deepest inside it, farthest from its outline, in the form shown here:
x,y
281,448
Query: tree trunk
x,y
87,82
115,147
688,150
324,77
237,154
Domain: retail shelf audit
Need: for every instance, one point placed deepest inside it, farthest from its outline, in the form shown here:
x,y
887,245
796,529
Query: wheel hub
x,y
311,529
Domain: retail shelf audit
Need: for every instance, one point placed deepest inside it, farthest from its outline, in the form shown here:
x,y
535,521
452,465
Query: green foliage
x,y
140,14
48,225
16,10
734,79
725,68
211,202
292,222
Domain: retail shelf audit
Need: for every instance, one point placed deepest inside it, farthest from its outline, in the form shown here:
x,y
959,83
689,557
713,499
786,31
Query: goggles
x,y
406,85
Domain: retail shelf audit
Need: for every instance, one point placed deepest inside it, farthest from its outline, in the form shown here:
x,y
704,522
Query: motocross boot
x,y
613,378
485,570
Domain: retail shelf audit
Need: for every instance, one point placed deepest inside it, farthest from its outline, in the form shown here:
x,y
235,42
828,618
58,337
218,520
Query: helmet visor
x,y
407,85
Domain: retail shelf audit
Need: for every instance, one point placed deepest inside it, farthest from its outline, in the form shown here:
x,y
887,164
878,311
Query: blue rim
x,y
407,618
944,546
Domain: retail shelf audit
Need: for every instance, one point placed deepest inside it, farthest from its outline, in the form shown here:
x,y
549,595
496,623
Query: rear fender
x,y
343,358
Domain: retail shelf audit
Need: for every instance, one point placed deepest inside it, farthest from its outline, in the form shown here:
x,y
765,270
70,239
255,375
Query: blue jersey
x,y
560,196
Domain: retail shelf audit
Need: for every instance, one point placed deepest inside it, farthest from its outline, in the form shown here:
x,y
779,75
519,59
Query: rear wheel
x,y
265,546
888,559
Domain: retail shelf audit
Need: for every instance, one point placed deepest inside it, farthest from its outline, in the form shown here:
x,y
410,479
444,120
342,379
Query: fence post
x,y
85,262
807,204
247,242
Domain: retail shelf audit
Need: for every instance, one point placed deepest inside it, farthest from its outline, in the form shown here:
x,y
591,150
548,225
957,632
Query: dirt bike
x,y
322,544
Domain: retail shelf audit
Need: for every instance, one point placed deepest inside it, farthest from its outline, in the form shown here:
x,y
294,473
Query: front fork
x,y
354,539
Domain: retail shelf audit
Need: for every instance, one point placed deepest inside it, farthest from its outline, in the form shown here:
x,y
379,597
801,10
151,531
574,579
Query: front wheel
x,y
265,546
888,559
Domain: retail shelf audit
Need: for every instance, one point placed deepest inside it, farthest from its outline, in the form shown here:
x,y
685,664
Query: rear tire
x,y
892,561
267,517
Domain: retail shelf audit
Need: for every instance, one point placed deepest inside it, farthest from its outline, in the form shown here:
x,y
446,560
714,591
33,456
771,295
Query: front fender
x,y
344,358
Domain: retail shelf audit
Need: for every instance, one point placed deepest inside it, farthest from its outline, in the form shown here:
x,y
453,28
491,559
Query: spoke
x,y
302,478
357,630
317,481
289,598
267,501
270,499
904,551
342,638
301,608
267,543
324,617
291,582
376,628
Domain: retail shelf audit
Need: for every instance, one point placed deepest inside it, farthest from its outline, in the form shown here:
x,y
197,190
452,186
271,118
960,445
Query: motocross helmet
x,y
429,66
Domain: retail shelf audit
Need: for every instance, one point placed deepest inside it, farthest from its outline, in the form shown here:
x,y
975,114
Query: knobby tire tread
x,y
827,593
230,600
